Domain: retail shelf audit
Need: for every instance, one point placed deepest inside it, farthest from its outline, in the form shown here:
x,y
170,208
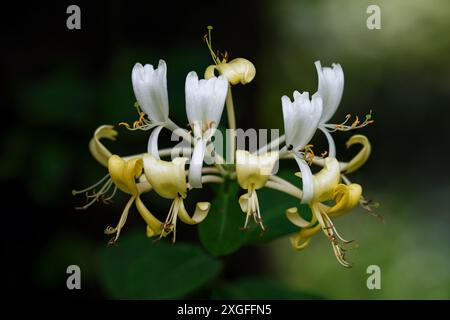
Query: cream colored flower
x,y
252,173
168,179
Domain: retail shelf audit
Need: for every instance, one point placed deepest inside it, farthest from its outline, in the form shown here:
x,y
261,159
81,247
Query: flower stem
x,y
283,188
231,122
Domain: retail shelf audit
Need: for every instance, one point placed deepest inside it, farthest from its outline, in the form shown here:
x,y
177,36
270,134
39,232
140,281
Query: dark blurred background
x,y
60,84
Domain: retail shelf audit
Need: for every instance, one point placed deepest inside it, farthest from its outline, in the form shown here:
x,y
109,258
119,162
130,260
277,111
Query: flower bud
x,y
238,70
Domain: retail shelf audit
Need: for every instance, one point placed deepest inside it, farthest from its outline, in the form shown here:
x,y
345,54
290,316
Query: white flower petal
x,y
330,88
301,118
150,89
153,142
307,179
196,164
331,145
205,99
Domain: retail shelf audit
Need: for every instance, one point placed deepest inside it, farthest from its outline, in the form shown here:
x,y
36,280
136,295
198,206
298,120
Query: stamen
x,y
259,219
253,210
208,39
330,231
309,156
355,125
121,223
75,192
96,196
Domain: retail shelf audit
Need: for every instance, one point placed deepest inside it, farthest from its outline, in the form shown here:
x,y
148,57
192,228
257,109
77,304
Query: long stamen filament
x,y
75,192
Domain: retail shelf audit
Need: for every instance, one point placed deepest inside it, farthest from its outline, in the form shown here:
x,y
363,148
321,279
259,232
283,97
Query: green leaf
x,y
220,232
138,268
253,288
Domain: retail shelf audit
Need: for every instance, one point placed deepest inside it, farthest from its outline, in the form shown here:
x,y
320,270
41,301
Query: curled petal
x,y
298,242
154,226
153,142
244,202
362,155
293,216
98,150
330,140
347,197
196,164
307,180
302,239
200,213
124,173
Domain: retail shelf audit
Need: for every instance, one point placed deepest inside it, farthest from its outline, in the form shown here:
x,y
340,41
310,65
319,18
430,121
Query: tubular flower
x,y
150,88
326,187
168,179
124,174
204,105
252,173
301,118
331,89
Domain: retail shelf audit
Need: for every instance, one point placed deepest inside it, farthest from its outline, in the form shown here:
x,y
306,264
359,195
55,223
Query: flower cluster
x,y
328,193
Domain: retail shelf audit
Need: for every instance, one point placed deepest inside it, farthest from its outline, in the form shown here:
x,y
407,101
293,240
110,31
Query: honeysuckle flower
x,y
168,179
205,100
124,174
150,89
331,89
327,187
236,71
301,119
252,173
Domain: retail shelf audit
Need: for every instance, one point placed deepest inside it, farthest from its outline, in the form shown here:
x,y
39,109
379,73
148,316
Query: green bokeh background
x,y
59,85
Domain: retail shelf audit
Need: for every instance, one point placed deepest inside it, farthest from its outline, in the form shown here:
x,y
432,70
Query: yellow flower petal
x,y
254,170
293,216
168,178
347,197
362,155
326,180
154,226
98,150
238,70
124,173
244,202
200,213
